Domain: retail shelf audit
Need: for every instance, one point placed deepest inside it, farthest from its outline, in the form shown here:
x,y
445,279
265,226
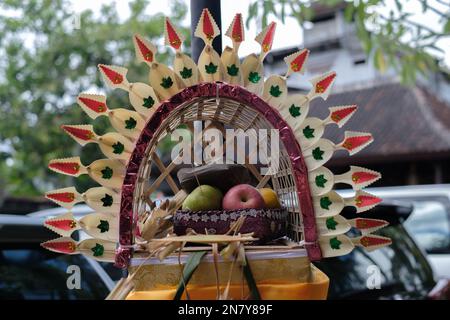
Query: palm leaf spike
x,y
171,35
68,166
312,129
332,226
100,226
321,85
334,246
65,197
371,242
102,200
94,105
64,224
107,172
209,63
366,225
322,180
115,77
331,203
83,134
112,144
184,67
296,62
320,152
144,49
98,249
207,28
236,32
161,78
265,39
126,122
339,115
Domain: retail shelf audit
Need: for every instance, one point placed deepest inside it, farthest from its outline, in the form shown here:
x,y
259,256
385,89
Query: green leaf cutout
x,y
118,147
98,250
107,173
130,123
254,77
232,70
275,91
294,111
331,223
308,132
335,243
325,203
320,180
107,200
148,102
317,154
166,82
186,73
211,68
103,226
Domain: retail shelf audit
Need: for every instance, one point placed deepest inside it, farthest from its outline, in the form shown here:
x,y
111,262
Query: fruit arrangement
x,y
213,209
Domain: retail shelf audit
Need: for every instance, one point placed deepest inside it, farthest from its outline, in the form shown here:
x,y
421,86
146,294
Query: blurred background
x,y
392,58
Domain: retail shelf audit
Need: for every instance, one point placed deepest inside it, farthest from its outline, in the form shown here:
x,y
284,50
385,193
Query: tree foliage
x,y
394,40
47,57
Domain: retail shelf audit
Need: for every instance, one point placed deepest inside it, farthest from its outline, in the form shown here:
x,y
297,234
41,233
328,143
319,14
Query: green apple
x,y
203,197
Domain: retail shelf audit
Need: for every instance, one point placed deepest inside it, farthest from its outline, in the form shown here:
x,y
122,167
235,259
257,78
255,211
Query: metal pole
x,y
197,7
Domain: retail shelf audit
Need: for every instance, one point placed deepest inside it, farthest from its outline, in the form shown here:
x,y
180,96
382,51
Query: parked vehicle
x,y
402,269
429,222
27,271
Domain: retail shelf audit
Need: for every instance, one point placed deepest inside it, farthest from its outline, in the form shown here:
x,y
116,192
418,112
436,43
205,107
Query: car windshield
x,y
429,224
403,271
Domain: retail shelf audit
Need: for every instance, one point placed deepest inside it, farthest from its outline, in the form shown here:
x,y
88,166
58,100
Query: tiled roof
x,y
406,122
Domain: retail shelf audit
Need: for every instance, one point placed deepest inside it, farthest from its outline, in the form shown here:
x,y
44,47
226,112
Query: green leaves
x,y
107,200
98,250
148,102
294,110
308,132
325,203
275,91
317,153
191,265
166,82
107,173
118,147
103,226
130,123
335,243
331,223
320,180
232,70
254,77
211,68
186,73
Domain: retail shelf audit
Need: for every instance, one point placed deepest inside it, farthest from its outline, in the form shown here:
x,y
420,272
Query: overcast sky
x,y
287,34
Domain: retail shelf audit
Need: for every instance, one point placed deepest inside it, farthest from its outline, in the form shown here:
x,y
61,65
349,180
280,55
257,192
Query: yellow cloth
x,y
317,289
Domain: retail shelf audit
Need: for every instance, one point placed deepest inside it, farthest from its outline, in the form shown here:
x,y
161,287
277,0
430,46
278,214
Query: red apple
x,y
242,196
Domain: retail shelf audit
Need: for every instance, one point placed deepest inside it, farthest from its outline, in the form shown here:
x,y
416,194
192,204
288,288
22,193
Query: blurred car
x,y
429,222
28,271
404,272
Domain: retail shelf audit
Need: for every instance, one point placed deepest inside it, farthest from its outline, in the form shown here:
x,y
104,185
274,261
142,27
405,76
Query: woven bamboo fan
x,y
221,91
